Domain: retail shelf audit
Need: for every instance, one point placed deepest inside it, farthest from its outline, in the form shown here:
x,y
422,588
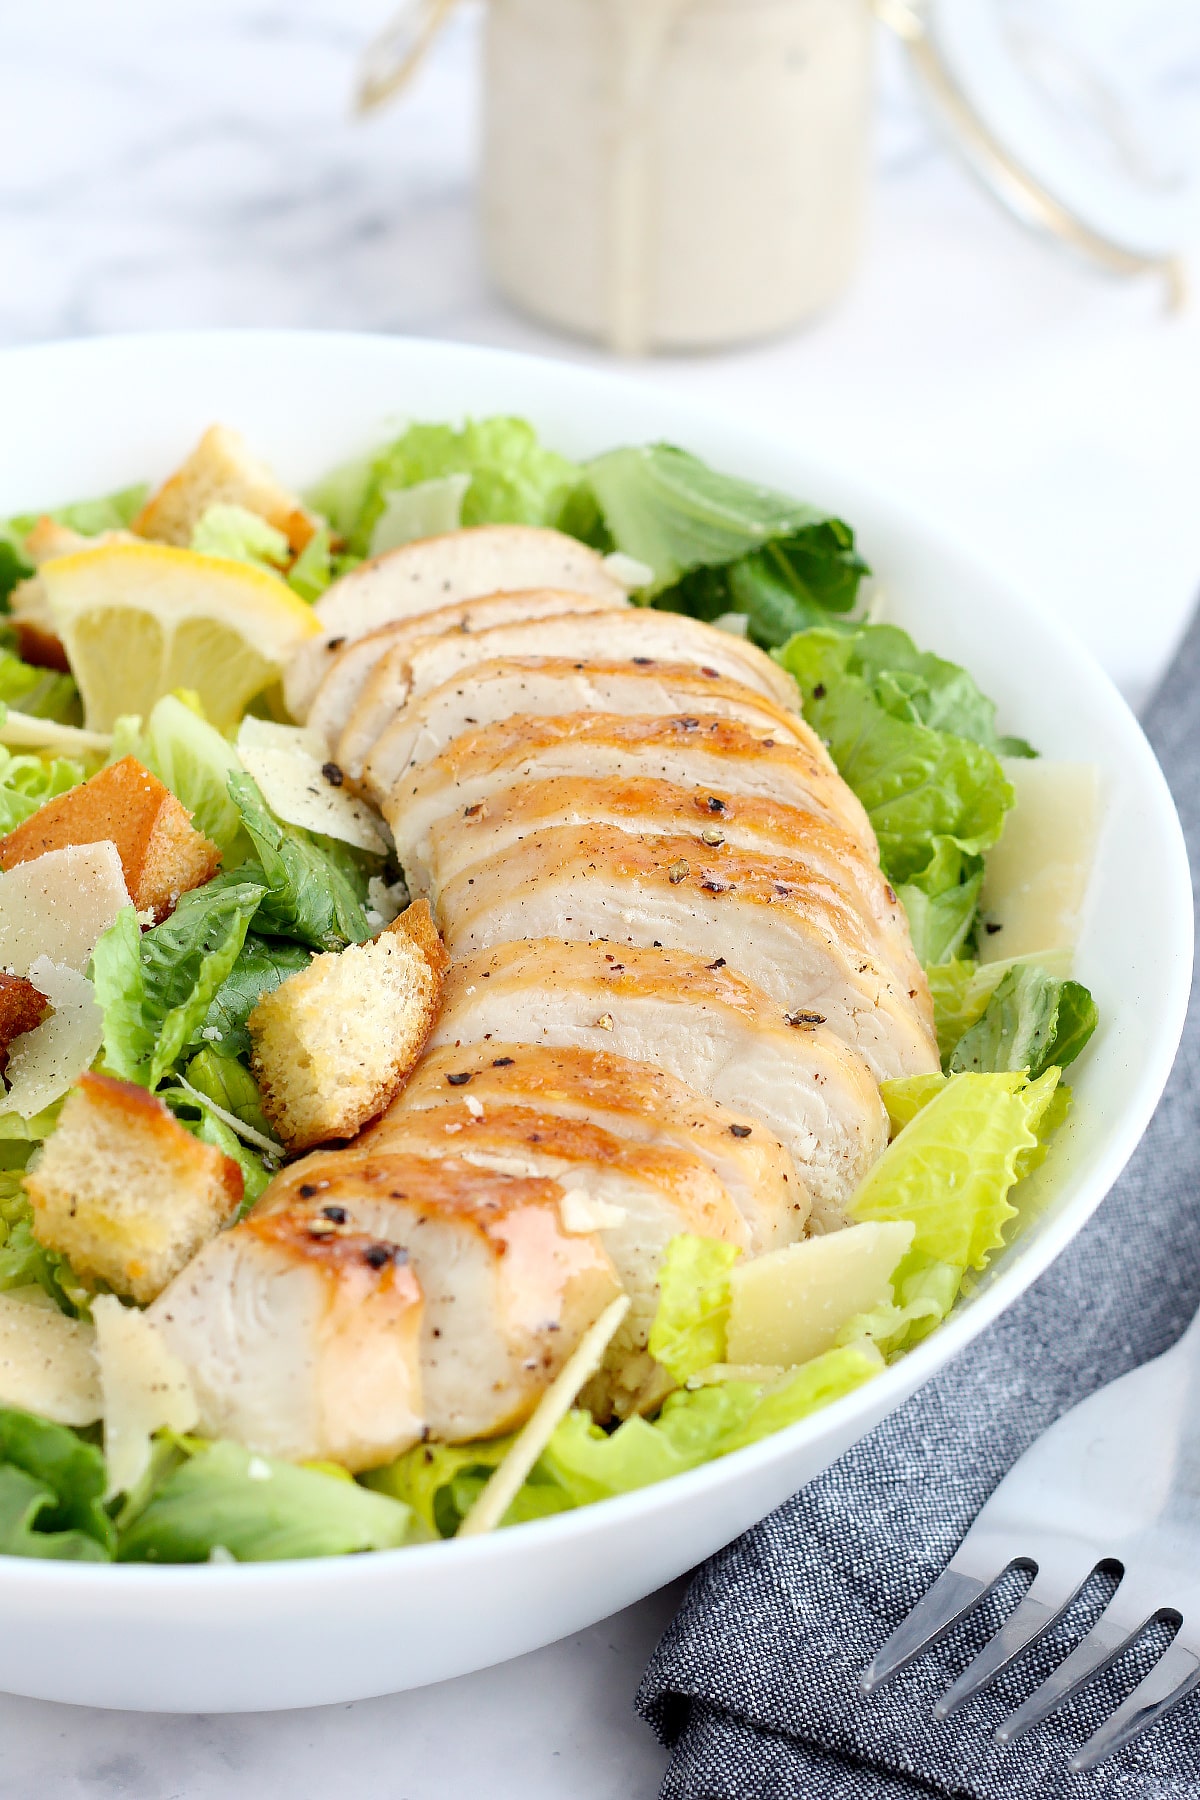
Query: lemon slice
x,y
139,620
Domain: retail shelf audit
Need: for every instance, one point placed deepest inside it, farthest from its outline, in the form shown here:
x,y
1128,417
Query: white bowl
x,y
87,417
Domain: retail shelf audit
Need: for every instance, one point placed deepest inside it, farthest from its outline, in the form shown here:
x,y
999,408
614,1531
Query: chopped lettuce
x,y
1032,1020
718,544
916,685
228,1083
261,965
240,535
688,1333
111,512
51,1491
28,781
26,1263
315,567
315,888
191,758
41,693
442,1482
155,989
197,1113
514,479
936,799
224,1499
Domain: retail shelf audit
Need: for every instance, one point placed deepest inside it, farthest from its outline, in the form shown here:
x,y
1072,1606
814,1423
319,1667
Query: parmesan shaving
x,y
247,1133
48,1363
1036,878
789,1305
290,765
144,1388
535,1434
24,732
58,905
43,1063
628,570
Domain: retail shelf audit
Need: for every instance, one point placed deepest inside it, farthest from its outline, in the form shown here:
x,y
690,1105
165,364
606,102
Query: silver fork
x,y
1115,1483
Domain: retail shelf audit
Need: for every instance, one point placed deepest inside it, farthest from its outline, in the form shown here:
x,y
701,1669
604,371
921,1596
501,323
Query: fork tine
x,y
951,1595
1123,1619
1172,1678
1037,1611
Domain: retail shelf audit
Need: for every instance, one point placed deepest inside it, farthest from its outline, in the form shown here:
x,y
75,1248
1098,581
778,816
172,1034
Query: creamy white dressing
x,y
675,173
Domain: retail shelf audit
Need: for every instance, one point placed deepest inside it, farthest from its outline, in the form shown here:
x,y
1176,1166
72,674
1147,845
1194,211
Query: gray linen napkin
x,y
755,1685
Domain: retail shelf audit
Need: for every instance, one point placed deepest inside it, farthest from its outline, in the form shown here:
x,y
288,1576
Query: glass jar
x,y
675,174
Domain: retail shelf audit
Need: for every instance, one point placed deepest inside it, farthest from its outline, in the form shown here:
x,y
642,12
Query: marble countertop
x,y
196,165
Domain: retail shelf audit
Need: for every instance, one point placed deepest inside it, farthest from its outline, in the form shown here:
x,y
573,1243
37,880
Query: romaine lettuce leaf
x,y
241,536
110,513
228,1083
688,1333
315,888
191,758
514,478
155,989
27,782
261,965
941,901
41,693
195,1113
1031,1021
718,544
316,566
51,1489
26,1263
255,1509
916,685
442,1482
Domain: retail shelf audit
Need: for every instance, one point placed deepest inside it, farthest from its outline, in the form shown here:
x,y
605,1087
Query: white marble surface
x,y
195,164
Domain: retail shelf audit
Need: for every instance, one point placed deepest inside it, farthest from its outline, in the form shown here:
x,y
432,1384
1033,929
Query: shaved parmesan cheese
x,y
733,624
628,570
790,1304
43,1063
1036,879
144,1388
580,1213
551,1409
424,510
290,765
23,731
47,1363
58,905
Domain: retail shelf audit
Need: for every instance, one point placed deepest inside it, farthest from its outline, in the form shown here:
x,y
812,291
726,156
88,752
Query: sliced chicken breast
x,y
361,682
462,565
631,1101
700,1023
714,826
544,687
301,1340
634,1197
508,1290
770,920
717,756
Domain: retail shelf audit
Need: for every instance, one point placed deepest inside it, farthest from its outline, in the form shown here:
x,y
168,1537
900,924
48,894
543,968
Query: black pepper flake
x,y
719,964
715,674
992,929
715,805
307,1190
335,643
643,662
803,1018
333,774
503,1062
741,1131
819,691
768,743
891,893
337,1215
378,1256
461,1079
716,887
686,724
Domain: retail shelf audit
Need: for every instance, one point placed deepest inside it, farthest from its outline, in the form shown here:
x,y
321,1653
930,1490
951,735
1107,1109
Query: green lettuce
x,y
191,758
155,988
51,1492
514,479
315,887
41,693
442,1482
717,544
28,781
688,1333
240,535
195,1112
112,512
916,685
228,1083
262,964
26,1263
223,1498
316,566
1031,1021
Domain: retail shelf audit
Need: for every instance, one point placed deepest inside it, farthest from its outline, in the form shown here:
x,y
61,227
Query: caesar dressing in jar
x,y
675,174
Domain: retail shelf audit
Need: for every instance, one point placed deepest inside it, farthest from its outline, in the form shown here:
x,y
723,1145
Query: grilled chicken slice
x,y
635,1197
702,1024
771,921
360,683
508,1291
417,578
713,825
720,757
542,687
301,1341
631,1101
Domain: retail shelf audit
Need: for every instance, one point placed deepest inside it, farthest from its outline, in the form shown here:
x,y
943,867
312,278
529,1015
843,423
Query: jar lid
x,y
1073,114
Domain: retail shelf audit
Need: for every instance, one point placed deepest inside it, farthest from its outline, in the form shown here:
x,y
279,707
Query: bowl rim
x,y
966,1322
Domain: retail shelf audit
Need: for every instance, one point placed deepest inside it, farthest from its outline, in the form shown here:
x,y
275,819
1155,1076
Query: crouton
x,y
162,854
124,1191
221,471
334,1044
21,1008
39,647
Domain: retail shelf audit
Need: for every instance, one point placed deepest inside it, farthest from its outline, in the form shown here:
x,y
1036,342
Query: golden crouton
x,y
334,1044
221,471
39,647
162,854
21,1008
124,1191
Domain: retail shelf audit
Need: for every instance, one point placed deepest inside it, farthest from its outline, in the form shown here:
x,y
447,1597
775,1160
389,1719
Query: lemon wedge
x,y
140,620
